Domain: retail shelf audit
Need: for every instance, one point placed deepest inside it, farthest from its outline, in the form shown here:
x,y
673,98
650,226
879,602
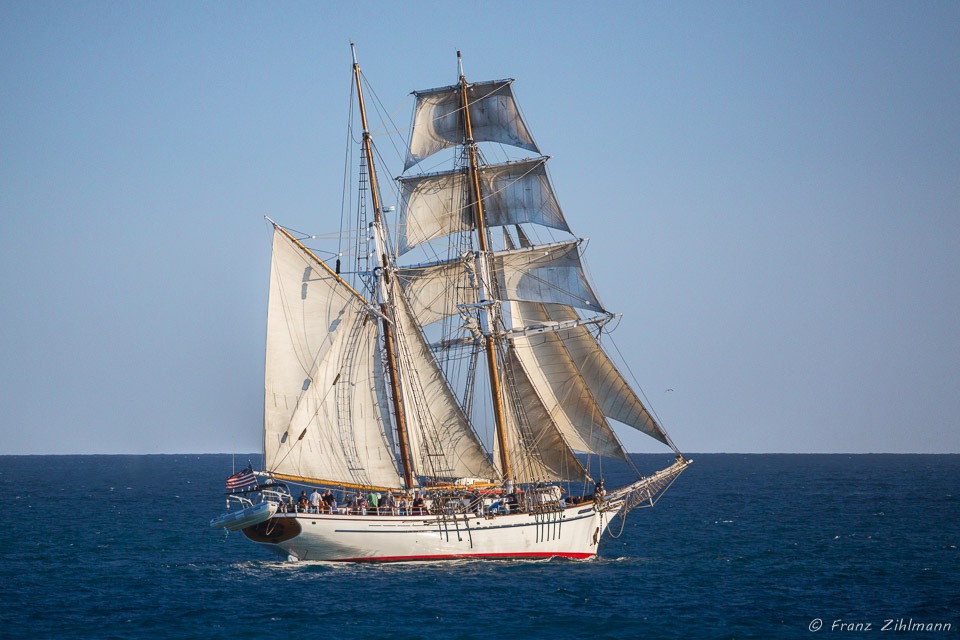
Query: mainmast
x,y
488,325
383,293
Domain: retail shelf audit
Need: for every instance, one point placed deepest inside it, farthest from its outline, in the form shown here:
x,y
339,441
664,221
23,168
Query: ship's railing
x,y
452,505
268,492
646,491
446,501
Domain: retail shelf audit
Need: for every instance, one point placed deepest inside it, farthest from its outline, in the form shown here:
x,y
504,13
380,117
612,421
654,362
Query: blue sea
x,y
742,546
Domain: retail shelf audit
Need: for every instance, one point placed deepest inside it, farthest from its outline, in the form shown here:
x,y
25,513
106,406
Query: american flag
x,y
242,480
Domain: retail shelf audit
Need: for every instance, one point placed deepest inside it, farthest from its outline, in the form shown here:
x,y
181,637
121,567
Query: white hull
x,y
574,532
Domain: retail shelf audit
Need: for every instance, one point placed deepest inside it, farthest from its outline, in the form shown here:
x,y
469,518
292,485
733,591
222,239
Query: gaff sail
x,y
322,417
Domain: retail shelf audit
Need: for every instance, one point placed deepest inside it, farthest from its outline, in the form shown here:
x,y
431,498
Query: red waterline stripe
x,y
459,556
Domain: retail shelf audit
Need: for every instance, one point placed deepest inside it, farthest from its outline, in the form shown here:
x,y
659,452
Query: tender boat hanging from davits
x,y
381,380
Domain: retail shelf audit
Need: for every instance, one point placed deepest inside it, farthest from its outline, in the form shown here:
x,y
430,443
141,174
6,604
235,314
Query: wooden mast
x,y
489,342
384,263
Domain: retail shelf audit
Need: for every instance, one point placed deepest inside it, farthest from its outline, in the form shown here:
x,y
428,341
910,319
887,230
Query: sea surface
x,y
742,546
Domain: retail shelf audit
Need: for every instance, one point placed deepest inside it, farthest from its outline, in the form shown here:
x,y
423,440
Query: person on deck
x,y
476,503
389,503
372,503
418,505
302,502
315,501
351,503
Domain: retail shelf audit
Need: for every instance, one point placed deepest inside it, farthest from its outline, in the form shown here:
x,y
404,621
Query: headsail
x,y
579,377
612,393
321,412
438,119
556,377
538,449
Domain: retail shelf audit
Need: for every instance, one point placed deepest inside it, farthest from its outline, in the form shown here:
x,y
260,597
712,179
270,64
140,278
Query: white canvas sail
x,y
537,448
599,380
435,205
442,442
434,291
556,377
613,394
438,119
549,273
321,411
579,374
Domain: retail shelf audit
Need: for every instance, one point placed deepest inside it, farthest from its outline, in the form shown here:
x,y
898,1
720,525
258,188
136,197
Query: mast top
x,y
459,63
353,50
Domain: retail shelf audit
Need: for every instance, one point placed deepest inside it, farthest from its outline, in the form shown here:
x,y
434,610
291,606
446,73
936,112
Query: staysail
x,y
612,393
322,417
538,449
442,442
577,379
556,377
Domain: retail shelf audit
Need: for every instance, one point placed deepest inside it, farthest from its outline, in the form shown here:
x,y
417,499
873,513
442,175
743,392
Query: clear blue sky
x,y
771,190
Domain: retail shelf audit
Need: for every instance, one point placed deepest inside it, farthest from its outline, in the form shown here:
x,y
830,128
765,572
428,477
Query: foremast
x,y
383,295
489,305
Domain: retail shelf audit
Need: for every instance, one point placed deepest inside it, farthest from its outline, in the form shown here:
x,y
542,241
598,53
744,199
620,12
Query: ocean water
x,y
742,546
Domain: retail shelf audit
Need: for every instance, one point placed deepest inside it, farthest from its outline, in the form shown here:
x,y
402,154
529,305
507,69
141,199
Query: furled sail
x,y
321,410
435,205
549,273
442,442
438,119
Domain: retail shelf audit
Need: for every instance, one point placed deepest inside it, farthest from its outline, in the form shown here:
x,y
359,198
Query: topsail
x,y
435,205
438,119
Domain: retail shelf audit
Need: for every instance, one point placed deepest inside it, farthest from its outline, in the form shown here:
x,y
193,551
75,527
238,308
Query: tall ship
x,y
438,381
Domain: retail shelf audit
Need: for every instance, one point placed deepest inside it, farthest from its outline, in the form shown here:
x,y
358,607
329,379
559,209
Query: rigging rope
x,y
651,409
